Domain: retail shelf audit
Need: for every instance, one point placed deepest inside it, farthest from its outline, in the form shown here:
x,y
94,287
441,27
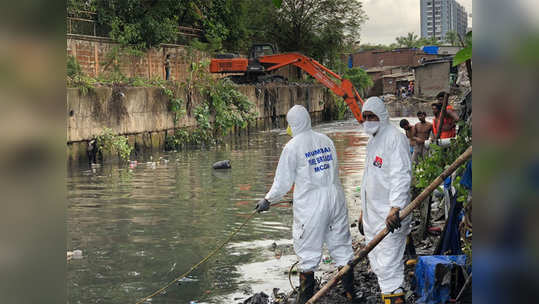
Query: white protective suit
x,y
309,160
386,183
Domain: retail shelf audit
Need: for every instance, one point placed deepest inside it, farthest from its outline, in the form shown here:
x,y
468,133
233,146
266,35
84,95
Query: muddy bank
x,y
366,283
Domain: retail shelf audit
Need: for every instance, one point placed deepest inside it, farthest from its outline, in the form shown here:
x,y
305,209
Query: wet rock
x,y
223,164
257,298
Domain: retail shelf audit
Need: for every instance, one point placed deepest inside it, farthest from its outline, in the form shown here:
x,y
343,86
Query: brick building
x,y
380,63
399,57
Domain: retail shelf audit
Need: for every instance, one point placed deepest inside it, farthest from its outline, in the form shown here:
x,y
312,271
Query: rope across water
x,y
211,254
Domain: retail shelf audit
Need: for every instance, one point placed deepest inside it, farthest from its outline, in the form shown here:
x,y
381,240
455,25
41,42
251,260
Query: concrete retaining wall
x,y
143,115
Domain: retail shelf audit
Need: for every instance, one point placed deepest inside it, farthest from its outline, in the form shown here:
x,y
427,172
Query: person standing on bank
x,y
385,190
309,161
422,132
450,119
410,133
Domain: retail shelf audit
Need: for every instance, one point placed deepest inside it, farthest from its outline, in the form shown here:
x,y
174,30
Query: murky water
x,y
141,227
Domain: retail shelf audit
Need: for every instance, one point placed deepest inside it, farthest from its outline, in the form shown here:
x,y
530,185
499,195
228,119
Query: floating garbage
x,y
75,254
223,164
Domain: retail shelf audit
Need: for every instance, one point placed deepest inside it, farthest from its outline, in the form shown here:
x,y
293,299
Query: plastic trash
x,y
76,254
223,164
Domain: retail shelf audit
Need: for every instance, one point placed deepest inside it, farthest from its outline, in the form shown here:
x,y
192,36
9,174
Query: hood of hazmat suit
x,y
386,184
309,162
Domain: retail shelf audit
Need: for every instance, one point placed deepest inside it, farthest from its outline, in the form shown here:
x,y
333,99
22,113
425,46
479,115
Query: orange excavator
x,y
263,59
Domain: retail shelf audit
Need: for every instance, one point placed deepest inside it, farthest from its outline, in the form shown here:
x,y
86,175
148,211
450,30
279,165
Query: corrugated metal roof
x,y
434,61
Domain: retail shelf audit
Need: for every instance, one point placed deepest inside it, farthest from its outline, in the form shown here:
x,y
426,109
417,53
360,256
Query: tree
x,y
452,38
143,24
359,78
408,41
221,20
317,28
140,23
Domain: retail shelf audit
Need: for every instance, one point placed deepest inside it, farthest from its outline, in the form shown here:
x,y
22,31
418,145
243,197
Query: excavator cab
x,y
250,67
261,49
255,70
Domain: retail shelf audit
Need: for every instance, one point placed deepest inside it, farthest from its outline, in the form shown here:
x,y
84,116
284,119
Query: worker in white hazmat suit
x,y
385,190
309,160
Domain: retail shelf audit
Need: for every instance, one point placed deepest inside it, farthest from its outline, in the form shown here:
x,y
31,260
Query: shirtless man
x,y
422,132
410,133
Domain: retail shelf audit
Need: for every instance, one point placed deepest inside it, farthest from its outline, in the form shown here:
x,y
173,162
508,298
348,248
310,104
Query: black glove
x,y
262,205
393,220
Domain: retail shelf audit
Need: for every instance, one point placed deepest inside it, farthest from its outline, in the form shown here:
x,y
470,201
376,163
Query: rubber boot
x,y
306,287
396,297
348,285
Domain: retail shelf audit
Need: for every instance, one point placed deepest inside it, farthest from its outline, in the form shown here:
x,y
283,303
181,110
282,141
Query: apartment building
x,y
441,16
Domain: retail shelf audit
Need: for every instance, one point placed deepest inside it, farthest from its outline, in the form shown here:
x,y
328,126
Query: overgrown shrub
x,y
108,142
76,78
73,67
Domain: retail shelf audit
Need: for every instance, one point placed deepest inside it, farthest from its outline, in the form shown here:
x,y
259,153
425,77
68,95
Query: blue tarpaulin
x,y
466,180
350,62
433,275
450,238
430,49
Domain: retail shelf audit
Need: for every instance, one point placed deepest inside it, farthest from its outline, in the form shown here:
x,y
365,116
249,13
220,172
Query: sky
x,y
389,19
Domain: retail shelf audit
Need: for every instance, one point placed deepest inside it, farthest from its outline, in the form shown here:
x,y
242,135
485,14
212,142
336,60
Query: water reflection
x,y
141,227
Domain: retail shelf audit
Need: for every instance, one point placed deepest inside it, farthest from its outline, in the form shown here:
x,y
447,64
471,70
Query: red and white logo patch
x,y
378,162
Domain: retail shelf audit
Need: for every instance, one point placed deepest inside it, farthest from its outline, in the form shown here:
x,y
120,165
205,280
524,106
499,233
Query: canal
x,y
141,226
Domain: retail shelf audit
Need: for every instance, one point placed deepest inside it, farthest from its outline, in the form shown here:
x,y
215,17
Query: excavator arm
x,y
324,75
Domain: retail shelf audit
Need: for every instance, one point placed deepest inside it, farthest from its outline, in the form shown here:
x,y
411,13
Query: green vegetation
x,y
439,158
359,78
372,47
223,108
108,142
466,53
76,78
411,40
341,108
321,29
452,38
